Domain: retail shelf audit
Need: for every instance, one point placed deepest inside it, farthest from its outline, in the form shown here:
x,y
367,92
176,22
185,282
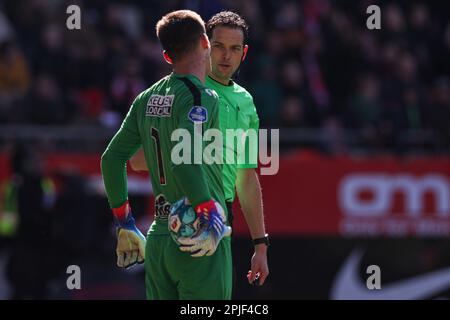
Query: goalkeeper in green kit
x,y
203,269
228,34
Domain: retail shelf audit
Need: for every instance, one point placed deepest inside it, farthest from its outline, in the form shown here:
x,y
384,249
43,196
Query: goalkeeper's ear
x,y
204,40
245,52
167,58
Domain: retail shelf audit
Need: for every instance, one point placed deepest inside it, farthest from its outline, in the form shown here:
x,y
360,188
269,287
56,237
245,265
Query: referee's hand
x,y
259,267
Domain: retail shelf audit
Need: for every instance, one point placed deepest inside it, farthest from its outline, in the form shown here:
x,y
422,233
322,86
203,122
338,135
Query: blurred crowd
x,y
42,228
311,65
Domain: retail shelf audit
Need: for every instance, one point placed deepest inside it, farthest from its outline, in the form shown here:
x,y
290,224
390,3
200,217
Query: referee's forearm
x,y
250,198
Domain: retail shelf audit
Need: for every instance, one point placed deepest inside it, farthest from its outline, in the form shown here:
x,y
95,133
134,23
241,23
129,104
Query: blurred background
x,y
363,115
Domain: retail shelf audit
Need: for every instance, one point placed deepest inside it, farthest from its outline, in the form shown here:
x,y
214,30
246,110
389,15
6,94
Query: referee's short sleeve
x,y
251,145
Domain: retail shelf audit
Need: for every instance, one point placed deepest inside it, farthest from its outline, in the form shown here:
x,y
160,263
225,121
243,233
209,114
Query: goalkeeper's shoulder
x,y
143,97
191,96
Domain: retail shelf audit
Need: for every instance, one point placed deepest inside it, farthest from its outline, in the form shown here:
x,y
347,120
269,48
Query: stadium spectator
x,y
440,112
14,81
314,50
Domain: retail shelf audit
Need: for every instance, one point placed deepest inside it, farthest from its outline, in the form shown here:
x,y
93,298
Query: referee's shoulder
x,y
245,97
243,92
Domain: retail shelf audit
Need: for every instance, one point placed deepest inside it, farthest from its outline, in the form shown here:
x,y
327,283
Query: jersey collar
x,y
231,84
189,76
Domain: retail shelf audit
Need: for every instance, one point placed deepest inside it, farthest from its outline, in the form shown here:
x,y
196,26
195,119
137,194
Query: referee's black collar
x,y
228,85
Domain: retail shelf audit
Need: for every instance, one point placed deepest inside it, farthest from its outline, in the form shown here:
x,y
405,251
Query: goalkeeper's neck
x,y
197,64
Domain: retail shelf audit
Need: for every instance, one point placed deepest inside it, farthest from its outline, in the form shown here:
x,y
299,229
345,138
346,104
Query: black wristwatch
x,y
264,240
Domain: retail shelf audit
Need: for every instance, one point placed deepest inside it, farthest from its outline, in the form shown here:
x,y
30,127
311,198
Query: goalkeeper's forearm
x,y
114,178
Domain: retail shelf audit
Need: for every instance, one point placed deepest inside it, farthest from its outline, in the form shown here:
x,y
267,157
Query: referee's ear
x,y
245,52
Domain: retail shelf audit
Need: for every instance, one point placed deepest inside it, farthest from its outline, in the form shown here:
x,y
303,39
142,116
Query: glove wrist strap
x,y
123,217
205,207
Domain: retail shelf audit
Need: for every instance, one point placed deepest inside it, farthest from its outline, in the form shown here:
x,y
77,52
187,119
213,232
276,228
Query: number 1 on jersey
x,y
155,136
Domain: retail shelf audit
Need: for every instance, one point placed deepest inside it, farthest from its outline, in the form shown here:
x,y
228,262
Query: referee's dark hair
x,y
227,19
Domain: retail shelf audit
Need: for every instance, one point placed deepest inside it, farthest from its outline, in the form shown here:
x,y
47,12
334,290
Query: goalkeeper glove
x,y
130,241
212,218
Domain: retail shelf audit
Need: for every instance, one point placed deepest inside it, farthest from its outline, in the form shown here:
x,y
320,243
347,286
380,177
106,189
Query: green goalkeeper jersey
x,y
175,102
236,111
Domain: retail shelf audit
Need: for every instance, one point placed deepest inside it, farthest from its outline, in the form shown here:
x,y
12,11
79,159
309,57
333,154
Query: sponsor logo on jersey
x,y
159,106
162,207
198,114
